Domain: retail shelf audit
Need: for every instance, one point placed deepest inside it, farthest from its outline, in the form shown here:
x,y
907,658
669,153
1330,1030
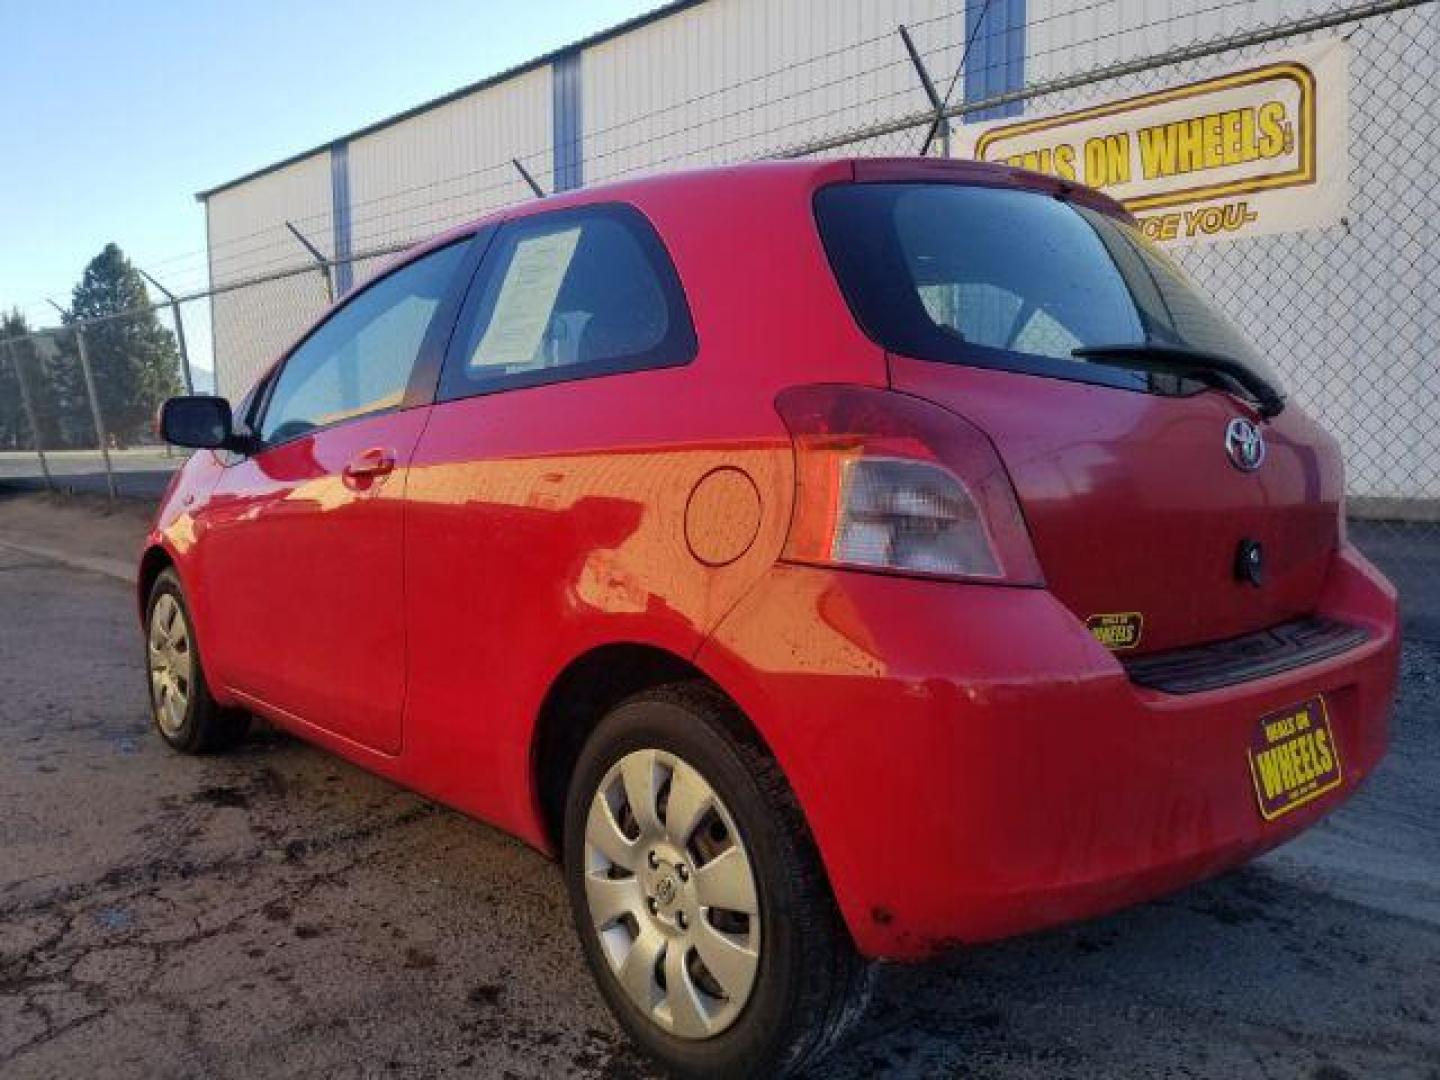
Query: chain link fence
x,y
1350,313
80,400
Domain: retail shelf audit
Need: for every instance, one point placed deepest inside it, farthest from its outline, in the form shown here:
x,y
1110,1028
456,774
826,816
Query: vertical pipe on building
x,y
568,166
997,59
340,216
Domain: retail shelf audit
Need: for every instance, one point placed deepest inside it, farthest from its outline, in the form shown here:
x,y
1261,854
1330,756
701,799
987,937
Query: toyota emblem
x,y
1245,444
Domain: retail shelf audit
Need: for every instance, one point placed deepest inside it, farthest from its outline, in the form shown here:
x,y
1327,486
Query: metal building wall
x,y
406,181
733,79
450,164
248,238
718,80
1064,37
726,80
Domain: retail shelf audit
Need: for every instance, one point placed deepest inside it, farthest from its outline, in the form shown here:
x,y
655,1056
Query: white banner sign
x,y
1258,149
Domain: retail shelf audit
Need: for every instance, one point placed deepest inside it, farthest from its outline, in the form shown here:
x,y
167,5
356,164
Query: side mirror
x,y
199,422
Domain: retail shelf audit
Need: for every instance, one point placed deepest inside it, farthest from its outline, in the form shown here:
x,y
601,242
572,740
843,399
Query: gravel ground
x,y
276,912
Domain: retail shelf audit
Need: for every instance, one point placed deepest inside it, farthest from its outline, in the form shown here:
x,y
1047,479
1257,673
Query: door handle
x,y
370,464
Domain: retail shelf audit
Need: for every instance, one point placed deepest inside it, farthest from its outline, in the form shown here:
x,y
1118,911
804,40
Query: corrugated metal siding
x,y
247,237
733,79
725,80
452,164
730,80
1065,37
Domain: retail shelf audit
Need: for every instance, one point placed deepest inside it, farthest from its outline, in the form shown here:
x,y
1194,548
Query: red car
x,y
827,561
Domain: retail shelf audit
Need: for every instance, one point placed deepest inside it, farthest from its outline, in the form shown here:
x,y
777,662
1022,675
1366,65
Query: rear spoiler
x,y
985,174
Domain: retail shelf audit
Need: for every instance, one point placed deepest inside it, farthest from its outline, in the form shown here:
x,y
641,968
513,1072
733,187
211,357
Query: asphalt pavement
x,y
276,912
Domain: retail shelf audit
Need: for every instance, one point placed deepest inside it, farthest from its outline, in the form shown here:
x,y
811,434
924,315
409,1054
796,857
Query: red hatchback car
x,y
829,561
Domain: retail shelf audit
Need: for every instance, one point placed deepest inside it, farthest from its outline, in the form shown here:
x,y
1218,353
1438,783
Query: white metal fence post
x,y
30,418
95,413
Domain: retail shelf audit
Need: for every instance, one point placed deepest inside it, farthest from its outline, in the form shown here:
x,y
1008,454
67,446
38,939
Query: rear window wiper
x,y
1187,362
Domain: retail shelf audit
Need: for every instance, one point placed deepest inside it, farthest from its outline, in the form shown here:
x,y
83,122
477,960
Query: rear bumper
x,y
974,765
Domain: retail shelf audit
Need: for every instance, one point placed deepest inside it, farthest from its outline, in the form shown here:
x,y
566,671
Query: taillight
x,y
890,482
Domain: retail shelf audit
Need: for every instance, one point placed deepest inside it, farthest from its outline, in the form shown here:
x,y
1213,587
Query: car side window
x,y
360,360
567,295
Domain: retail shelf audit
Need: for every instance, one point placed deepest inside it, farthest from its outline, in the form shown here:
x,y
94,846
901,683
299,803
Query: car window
x,y
990,275
570,294
360,360
1014,279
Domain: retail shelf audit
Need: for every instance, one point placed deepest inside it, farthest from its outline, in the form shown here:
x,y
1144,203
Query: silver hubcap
x,y
672,894
171,664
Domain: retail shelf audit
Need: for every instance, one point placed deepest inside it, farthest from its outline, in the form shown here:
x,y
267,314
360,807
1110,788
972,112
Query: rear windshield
x,y
1000,277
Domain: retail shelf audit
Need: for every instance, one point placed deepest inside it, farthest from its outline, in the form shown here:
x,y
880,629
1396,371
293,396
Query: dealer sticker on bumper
x,y
1293,758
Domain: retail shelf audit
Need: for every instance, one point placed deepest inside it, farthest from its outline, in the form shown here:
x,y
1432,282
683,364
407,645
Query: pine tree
x,y
14,433
133,358
17,358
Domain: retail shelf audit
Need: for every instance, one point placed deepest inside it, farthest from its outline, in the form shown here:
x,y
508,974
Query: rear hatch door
x,y
982,285
1136,508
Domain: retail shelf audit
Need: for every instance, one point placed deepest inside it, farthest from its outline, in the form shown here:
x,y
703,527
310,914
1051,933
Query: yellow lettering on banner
x,y
1162,226
1272,129
1228,217
1065,162
1202,160
1158,149
1030,159
1107,160
1322,751
1190,156
1056,161
1212,141
1249,149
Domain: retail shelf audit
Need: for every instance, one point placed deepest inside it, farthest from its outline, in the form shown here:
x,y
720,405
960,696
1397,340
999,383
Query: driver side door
x,y
302,539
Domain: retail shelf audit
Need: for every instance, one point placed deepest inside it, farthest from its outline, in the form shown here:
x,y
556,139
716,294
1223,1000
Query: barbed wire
x,y
385,243
224,254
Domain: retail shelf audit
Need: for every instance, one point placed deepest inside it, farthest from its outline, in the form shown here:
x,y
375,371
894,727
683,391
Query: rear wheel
x,y
700,902
185,714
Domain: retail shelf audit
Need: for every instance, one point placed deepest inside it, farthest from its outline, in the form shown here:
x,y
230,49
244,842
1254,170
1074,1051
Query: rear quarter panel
x,y
547,521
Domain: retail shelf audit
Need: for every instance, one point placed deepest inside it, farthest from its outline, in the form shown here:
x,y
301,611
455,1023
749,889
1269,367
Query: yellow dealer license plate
x,y
1293,758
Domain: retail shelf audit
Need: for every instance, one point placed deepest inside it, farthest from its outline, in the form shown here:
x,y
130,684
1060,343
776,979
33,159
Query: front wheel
x,y
187,717
700,902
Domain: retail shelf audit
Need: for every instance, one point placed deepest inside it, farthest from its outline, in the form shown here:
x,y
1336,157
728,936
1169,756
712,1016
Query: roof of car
x,y
822,171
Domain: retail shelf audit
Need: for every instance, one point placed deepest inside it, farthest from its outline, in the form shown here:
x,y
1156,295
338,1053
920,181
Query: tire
x,y
792,982
185,714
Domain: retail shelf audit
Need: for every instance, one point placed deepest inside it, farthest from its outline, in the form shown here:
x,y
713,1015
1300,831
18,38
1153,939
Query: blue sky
x,y
112,116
